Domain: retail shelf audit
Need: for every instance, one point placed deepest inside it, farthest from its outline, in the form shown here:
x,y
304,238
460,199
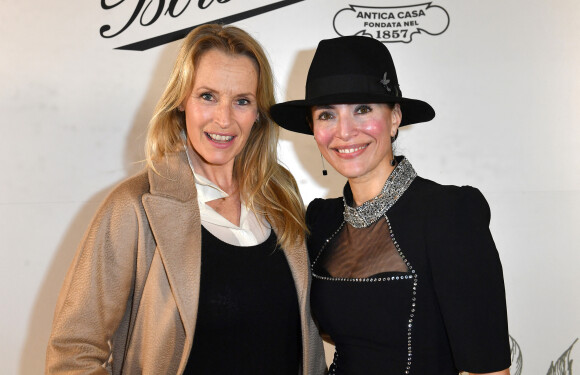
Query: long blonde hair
x,y
266,187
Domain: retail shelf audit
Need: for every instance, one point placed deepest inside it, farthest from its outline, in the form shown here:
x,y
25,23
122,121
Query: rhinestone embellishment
x,y
413,275
413,298
370,211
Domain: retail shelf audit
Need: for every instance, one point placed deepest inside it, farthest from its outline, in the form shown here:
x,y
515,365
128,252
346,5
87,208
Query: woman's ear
x,y
396,118
181,106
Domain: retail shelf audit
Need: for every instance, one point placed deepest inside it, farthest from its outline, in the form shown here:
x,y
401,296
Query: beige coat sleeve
x,y
97,291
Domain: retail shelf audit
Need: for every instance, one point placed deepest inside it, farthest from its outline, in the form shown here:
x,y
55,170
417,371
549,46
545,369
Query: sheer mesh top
x,y
360,253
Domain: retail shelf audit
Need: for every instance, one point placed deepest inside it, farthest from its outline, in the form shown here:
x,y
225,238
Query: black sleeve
x,y
468,280
312,216
312,211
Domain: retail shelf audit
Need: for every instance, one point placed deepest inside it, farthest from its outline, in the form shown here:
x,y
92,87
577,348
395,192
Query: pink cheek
x,y
374,128
322,137
196,118
322,134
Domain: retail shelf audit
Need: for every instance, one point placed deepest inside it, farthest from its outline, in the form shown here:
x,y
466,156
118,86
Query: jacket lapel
x,y
173,215
297,258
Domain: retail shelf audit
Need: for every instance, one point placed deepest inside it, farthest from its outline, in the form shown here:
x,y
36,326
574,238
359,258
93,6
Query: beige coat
x,y
129,301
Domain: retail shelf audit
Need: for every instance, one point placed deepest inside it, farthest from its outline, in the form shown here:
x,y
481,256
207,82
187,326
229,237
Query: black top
x,y
248,319
443,313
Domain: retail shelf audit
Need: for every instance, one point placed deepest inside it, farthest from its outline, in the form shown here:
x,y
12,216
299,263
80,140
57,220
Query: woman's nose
x,y
223,115
345,127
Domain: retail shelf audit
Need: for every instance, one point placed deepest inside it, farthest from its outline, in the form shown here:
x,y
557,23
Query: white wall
x,y
503,79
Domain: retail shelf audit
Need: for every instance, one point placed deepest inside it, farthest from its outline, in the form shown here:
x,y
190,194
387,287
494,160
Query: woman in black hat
x,y
406,276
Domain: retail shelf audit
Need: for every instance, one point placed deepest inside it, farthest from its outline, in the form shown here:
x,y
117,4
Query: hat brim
x,y
292,115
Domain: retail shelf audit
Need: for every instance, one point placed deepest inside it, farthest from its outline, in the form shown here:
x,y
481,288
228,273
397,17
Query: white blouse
x,y
253,229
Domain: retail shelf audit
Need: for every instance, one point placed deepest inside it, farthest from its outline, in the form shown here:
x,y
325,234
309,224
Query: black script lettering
x,y
142,11
171,8
105,6
201,3
155,17
106,28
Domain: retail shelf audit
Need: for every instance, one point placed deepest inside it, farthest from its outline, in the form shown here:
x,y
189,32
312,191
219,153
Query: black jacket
x,y
461,319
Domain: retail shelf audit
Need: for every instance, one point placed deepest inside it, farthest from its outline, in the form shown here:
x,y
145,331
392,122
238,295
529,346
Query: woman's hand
x,y
504,372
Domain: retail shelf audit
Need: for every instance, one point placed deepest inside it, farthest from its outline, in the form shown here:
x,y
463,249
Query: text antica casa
x,y
401,15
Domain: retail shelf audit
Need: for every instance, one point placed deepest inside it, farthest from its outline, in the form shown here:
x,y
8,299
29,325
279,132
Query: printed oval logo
x,y
391,24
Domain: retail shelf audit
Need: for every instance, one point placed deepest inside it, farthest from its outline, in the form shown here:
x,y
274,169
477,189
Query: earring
x,y
393,161
324,171
394,138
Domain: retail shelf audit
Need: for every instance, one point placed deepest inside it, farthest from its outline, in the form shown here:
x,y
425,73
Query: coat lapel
x,y
173,214
297,258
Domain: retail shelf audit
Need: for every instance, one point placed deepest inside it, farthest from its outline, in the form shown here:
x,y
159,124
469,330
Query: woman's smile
x,y
356,138
350,151
221,110
219,138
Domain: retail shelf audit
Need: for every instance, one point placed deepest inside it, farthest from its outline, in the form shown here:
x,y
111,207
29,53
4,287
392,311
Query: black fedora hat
x,y
350,70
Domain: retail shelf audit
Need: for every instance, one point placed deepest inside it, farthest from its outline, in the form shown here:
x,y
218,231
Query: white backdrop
x,y
503,79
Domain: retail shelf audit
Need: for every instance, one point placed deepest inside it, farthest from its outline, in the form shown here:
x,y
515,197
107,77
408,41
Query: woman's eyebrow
x,y
327,106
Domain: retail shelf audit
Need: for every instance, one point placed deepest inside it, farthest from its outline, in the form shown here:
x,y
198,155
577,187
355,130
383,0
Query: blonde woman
x,y
197,264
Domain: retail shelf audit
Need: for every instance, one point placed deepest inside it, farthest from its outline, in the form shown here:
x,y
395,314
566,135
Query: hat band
x,y
350,84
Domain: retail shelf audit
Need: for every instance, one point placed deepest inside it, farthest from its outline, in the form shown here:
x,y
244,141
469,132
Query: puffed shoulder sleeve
x,y
97,289
312,211
468,280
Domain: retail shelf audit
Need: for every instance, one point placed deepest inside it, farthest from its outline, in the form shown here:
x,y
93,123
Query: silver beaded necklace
x,y
371,210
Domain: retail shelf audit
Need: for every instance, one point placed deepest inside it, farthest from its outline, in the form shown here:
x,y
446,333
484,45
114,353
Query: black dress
x,y
417,288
